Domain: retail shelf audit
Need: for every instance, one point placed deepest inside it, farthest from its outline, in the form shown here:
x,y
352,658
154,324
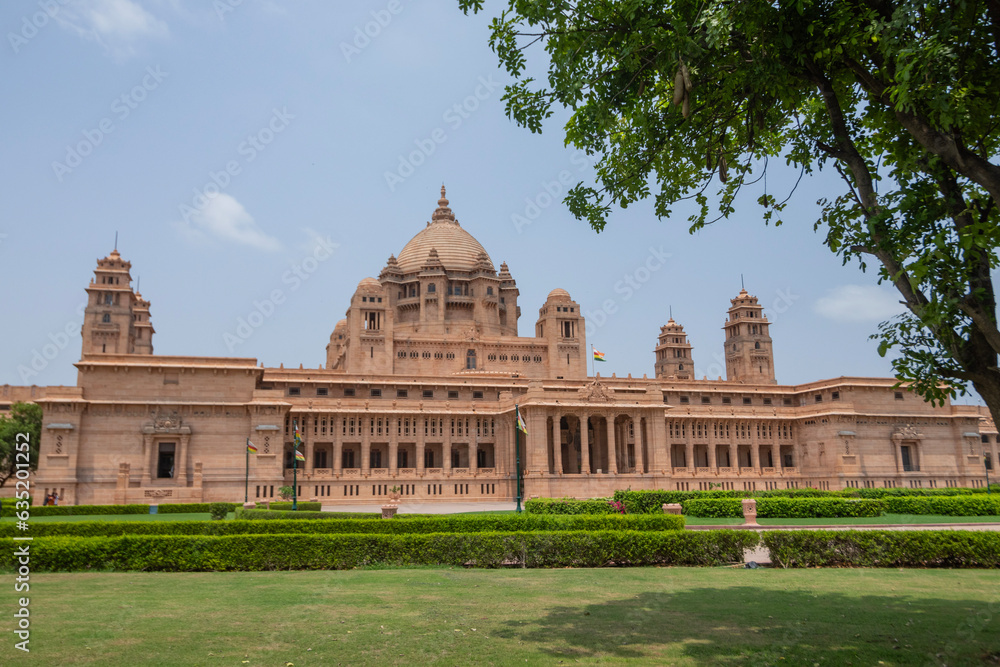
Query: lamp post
x,y
517,453
986,469
295,467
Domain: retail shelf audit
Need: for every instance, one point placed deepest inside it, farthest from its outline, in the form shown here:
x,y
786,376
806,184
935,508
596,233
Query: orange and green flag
x,y
598,355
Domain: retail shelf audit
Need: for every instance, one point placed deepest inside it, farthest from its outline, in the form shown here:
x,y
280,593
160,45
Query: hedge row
x,y
978,505
437,524
646,502
784,508
569,506
883,548
7,508
184,553
282,515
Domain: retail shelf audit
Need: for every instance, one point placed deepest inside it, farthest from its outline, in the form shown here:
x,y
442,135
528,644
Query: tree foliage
x,y
23,418
681,98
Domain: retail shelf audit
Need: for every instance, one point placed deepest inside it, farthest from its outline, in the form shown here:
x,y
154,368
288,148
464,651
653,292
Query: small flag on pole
x,y
520,424
299,456
598,356
252,448
298,438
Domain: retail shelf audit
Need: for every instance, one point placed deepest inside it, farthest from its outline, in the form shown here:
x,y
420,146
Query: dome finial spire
x,y
443,213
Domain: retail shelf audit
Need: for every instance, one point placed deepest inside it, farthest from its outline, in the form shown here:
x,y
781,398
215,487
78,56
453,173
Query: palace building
x,y
419,391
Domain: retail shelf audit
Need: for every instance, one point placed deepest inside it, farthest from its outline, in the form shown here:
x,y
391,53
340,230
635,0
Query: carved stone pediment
x,y
166,421
906,432
597,392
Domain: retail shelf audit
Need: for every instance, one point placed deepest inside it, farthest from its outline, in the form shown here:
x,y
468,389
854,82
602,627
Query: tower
x,y
116,320
749,352
673,353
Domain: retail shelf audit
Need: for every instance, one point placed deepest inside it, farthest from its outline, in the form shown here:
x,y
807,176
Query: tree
x,y
899,97
23,418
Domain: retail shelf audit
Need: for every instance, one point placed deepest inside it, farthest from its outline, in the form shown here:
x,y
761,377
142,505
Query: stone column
x,y
557,466
180,465
446,445
393,445
640,441
658,460
754,452
366,445
307,443
609,423
149,470
734,449
776,455
993,461
419,453
585,443
338,444
689,444
712,458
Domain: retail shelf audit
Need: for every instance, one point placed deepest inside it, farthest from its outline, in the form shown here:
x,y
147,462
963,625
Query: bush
x,y
422,524
883,548
219,511
184,553
964,505
569,506
262,515
785,508
80,510
194,508
302,506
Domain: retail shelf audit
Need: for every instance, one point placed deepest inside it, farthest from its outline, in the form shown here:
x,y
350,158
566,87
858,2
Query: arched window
x,y
756,346
489,291
470,360
106,318
431,288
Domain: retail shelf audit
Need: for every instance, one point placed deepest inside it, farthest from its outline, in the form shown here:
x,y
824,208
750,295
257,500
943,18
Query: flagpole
x,y
592,359
517,450
295,468
246,479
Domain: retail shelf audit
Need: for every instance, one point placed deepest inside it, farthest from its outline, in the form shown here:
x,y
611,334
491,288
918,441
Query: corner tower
x,y
673,353
116,320
749,352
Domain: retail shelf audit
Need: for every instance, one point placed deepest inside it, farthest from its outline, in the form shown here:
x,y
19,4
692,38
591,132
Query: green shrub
x,y
263,515
883,548
194,508
784,508
457,523
185,553
219,511
568,506
963,505
302,506
81,510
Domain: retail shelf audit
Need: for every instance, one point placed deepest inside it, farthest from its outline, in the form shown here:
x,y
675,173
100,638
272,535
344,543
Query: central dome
x,y
457,249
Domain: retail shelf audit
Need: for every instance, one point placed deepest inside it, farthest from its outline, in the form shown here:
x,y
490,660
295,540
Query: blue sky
x,y
325,130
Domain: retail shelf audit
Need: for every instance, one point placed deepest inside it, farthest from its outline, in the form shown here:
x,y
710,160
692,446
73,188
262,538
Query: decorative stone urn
x,y
749,512
389,511
249,506
672,508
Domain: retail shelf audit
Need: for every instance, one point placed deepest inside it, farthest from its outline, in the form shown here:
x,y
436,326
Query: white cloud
x,y
115,24
859,303
224,219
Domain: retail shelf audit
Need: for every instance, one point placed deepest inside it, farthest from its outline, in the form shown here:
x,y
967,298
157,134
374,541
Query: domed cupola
x,y
457,249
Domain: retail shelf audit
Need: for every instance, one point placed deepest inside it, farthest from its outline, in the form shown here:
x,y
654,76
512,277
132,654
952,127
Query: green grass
x,y
885,519
648,616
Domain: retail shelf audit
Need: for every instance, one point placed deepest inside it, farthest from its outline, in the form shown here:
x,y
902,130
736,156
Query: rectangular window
x,y
428,393
819,398
726,400
452,395
375,393
786,401
835,396
767,401
899,395
401,393
706,399
349,391
294,391
322,391
477,394
685,399
747,400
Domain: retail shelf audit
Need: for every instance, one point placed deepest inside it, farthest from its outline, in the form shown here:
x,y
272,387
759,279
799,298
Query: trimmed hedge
x,y
883,548
965,505
80,510
569,506
784,508
281,515
182,553
302,506
193,508
423,524
651,502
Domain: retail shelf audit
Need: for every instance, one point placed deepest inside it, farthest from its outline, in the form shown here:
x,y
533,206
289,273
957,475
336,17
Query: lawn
x,y
648,616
